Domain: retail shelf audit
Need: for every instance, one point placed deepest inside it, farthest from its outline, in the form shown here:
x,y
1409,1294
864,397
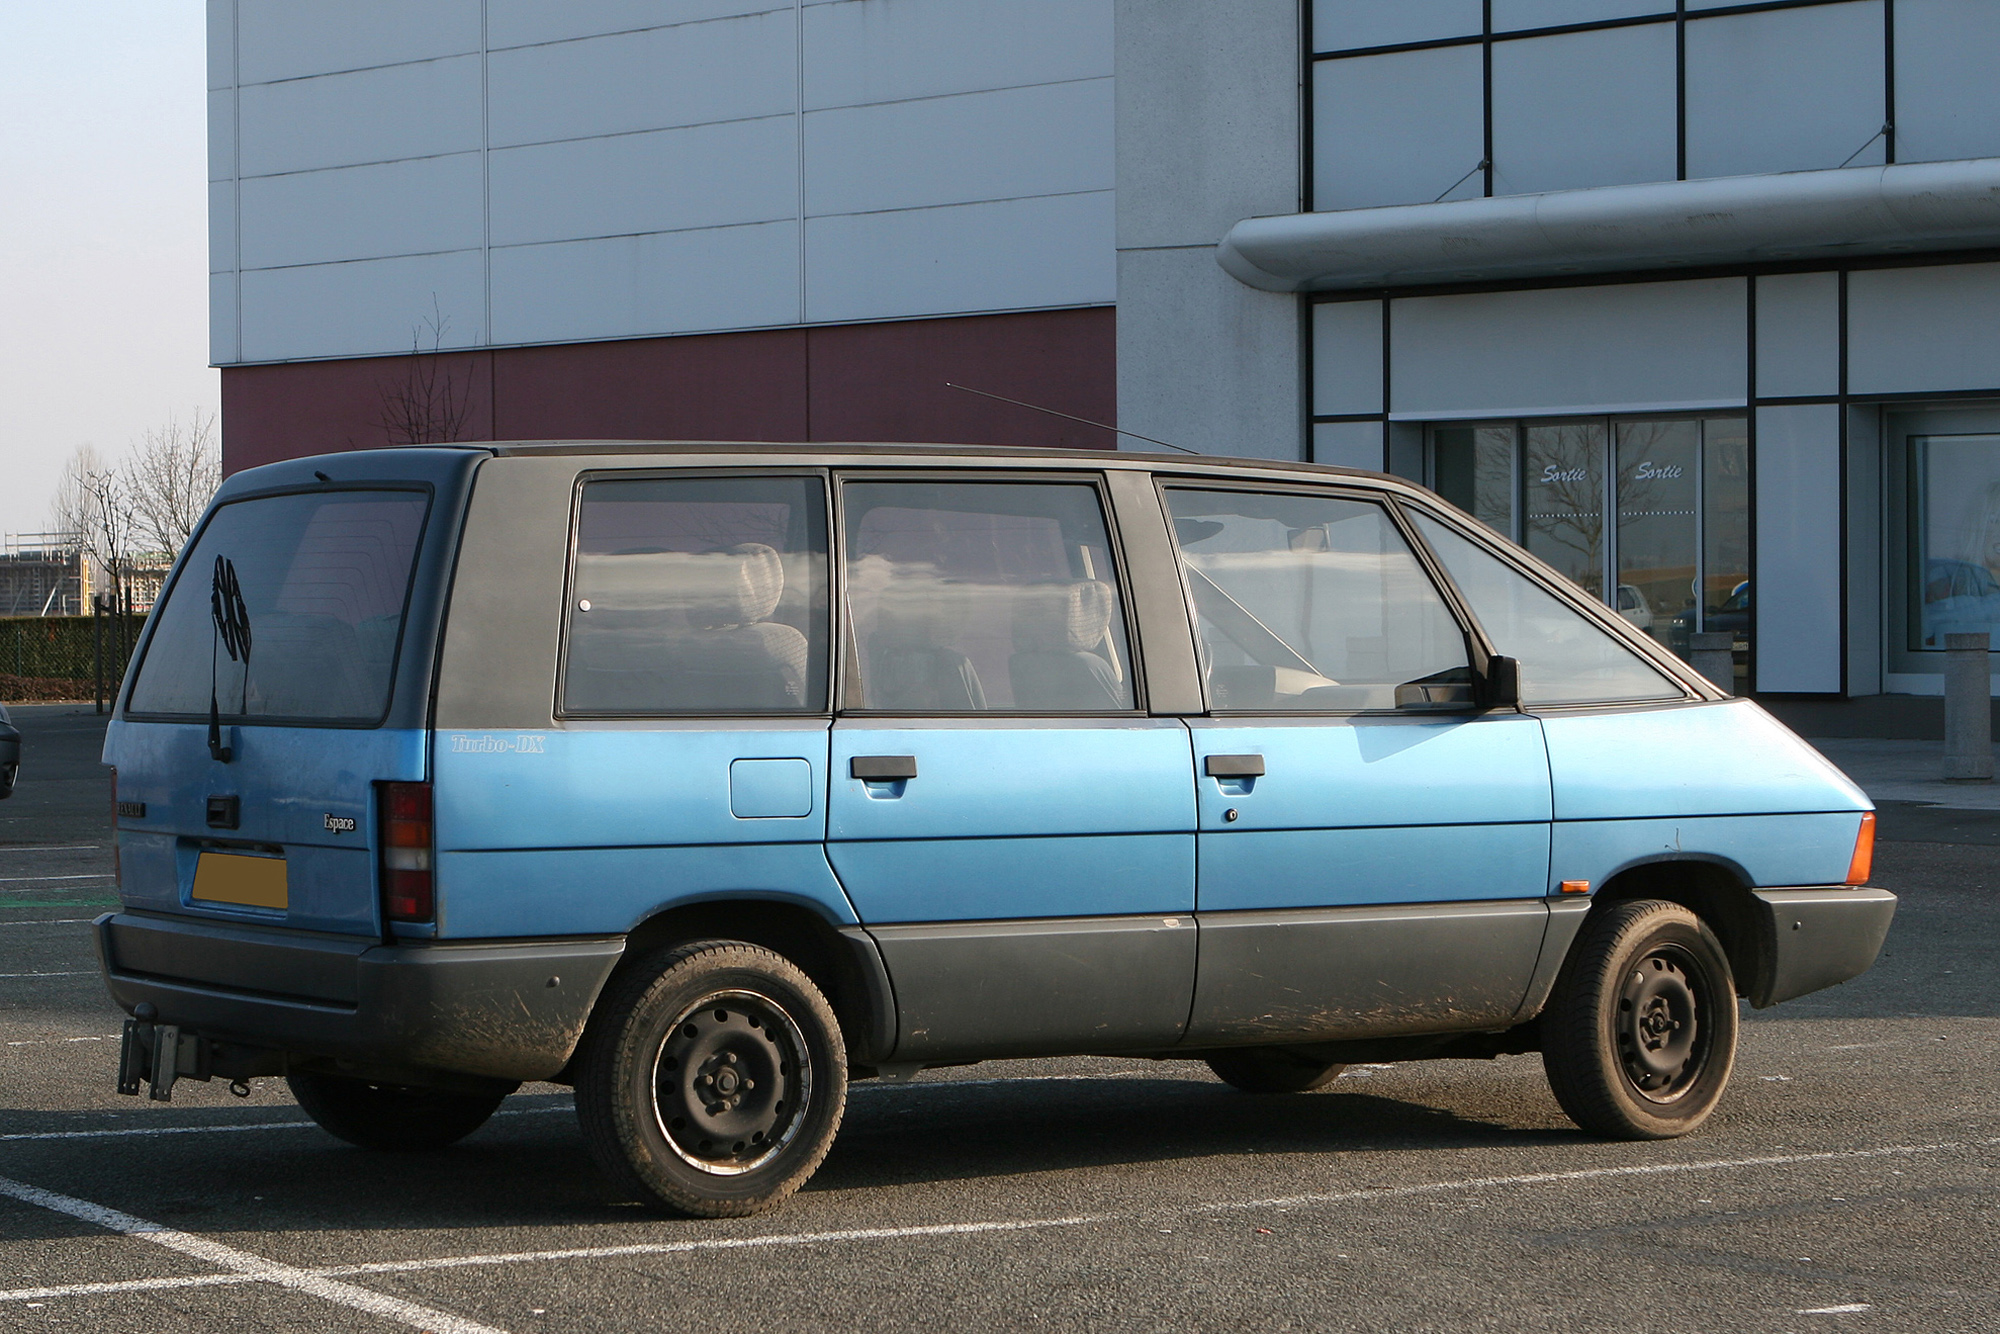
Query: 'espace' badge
x,y
340,824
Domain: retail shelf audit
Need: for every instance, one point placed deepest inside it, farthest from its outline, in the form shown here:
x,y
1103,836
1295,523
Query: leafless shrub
x,y
426,404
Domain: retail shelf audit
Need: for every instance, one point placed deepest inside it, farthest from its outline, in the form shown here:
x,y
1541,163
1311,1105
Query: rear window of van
x,y
288,609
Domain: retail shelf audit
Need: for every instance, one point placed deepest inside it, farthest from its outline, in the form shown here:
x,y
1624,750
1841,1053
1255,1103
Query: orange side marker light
x,y
1576,886
1864,851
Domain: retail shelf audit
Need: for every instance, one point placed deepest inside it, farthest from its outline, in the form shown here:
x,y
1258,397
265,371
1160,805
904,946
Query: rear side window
x,y
973,596
1565,659
323,579
698,595
1313,603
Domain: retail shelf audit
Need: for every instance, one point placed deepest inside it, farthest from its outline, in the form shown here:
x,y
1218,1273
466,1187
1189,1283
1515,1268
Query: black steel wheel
x,y
713,1079
1640,1034
392,1117
1272,1070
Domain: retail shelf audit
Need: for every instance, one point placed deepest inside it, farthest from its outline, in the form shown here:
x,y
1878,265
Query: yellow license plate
x,y
250,882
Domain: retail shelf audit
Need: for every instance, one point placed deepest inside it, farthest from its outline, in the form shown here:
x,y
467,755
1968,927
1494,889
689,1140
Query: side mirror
x,y
1502,683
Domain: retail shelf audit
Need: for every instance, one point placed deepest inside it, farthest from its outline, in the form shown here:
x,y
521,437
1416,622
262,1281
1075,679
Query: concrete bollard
x,y
1968,709
1710,654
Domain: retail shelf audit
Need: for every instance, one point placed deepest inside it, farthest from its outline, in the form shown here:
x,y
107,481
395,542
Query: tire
x,y
1272,1070
713,1079
392,1117
1640,1035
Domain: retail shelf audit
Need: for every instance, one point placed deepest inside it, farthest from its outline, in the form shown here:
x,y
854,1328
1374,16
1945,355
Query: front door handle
x,y
1234,766
882,768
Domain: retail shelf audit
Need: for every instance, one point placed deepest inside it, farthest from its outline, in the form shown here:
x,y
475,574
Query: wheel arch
x,y
841,960
1715,890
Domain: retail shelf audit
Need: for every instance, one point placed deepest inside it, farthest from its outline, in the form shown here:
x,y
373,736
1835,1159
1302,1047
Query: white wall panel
x,y
1584,109
288,39
1798,334
695,74
1404,128
1785,90
223,345
221,44
869,51
221,226
1947,99
369,307
1044,140
1626,347
343,120
1912,330
971,257
222,134
1348,444
523,22
392,208
668,180
723,278
1346,24
1797,580
1347,359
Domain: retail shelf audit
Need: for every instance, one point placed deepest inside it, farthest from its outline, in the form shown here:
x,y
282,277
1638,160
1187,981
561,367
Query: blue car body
x,y
1158,875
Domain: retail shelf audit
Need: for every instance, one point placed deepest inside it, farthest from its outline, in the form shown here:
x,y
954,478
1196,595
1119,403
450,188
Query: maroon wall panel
x,y
856,382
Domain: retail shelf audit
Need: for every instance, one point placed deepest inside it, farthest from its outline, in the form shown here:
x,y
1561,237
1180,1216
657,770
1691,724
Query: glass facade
x,y
1948,513
1650,514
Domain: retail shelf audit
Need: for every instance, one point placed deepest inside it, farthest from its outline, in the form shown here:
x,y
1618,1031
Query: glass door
x,y
1659,535
1563,511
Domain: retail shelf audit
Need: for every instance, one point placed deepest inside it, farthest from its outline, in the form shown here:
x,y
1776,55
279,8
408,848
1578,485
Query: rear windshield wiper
x,y
232,631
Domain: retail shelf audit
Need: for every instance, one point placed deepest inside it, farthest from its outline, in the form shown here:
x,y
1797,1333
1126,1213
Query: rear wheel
x,y
1640,1035
394,1117
712,1080
1272,1070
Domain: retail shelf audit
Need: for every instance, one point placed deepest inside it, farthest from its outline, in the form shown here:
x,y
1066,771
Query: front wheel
x,y
393,1117
713,1079
1640,1036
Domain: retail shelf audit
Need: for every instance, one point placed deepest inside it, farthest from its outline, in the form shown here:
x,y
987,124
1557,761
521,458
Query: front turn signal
x,y
1864,851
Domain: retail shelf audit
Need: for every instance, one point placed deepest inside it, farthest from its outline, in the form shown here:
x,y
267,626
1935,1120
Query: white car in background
x,y
1632,605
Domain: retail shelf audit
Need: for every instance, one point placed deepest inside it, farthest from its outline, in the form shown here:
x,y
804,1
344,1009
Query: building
x,y
43,574
1700,302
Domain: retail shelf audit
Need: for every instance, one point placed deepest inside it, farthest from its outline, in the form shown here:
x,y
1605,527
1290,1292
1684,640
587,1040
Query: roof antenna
x,y
1036,407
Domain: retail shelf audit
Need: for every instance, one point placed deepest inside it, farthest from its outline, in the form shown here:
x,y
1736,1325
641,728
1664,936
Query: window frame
x,y
846,666
1478,648
561,711
125,690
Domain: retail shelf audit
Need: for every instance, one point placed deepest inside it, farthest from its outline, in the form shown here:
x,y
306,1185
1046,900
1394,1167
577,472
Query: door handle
x,y
882,768
1234,766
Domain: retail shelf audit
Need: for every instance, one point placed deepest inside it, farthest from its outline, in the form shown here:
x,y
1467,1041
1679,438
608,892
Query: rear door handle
x,y
882,768
1234,766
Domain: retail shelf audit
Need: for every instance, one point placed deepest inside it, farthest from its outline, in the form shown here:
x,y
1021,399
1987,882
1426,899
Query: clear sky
x,y
103,232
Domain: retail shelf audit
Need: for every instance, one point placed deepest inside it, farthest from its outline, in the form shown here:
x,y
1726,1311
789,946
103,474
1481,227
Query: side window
x,y
698,595
1313,603
1564,658
970,596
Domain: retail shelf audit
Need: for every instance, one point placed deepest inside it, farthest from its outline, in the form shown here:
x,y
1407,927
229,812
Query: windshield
x,y
289,608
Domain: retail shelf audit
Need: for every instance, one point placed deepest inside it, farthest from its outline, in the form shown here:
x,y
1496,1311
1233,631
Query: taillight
x,y
1864,851
406,852
117,863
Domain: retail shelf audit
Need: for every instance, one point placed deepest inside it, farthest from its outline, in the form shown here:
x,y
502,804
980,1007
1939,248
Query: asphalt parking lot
x,y
1849,1182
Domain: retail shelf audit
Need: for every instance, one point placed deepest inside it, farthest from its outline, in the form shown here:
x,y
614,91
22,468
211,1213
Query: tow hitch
x,y
159,1055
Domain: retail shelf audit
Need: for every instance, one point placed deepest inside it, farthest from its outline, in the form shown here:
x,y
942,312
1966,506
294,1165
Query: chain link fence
x,y
64,657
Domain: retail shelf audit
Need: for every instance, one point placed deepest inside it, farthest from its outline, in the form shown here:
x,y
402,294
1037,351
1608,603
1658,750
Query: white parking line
x,y
253,1267
143,1132
80,972
48,921
43,879
965,1229
50,847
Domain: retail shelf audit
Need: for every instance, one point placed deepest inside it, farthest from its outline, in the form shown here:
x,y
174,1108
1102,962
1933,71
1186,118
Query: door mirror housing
x,y
1500,686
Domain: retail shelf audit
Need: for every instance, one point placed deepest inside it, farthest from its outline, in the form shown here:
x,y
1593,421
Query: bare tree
x,y
93,501
426,404
170,478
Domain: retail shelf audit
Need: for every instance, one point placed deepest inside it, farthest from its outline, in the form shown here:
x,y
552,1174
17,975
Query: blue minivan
x,y
707,777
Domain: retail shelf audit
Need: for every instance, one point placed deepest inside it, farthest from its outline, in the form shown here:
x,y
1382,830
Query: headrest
x,y
738,586
1062,618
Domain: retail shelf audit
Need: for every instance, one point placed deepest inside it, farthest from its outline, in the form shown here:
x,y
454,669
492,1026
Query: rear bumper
x,y
504,1010
1817,937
